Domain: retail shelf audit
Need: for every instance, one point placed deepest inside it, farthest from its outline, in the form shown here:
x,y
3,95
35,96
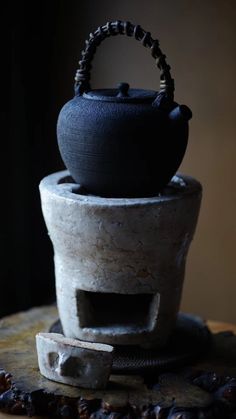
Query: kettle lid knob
x,y
123,89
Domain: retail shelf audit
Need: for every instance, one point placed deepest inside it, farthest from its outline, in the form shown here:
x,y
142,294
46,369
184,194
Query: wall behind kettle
x,y
199,41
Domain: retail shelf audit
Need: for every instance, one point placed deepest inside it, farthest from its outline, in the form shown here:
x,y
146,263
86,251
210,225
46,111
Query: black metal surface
x,y
114,95
189,340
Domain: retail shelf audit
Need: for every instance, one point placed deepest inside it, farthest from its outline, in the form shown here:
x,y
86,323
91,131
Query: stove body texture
x,y
119,262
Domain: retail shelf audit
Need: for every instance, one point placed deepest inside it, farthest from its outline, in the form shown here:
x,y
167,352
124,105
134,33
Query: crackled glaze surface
x,y
119,263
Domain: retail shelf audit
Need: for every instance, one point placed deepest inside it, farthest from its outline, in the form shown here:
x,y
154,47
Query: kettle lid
x,y
122,94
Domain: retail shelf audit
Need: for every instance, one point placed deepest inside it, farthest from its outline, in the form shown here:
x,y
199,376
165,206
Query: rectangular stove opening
x,y
117,311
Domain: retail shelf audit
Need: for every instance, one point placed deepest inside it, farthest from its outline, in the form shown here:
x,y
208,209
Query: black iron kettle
x,y
122,142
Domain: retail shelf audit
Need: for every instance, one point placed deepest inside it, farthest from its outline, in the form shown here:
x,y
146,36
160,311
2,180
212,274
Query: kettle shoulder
x,y
80,106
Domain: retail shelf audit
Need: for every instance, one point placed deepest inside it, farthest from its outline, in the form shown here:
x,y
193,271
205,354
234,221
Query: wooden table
x,y
25,325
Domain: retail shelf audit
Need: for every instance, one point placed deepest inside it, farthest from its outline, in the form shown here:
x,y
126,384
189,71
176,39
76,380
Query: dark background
x,y
41,56
40,47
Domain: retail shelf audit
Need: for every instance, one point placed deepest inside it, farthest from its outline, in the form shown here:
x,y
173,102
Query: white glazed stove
x,y
119,263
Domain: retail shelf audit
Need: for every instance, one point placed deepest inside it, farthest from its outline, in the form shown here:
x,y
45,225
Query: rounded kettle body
x,y
120,149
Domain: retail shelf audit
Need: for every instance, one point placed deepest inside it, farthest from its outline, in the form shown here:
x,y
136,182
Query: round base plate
x,y
189,340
